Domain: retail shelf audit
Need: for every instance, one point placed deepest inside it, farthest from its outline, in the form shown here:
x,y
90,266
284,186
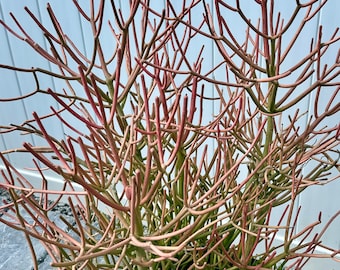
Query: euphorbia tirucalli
x,y
177,161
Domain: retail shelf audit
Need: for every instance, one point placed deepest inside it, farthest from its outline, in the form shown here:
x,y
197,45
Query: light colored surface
x,y
15,52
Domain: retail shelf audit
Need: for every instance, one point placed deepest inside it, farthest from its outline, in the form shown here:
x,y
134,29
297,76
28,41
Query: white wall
x,y
15,52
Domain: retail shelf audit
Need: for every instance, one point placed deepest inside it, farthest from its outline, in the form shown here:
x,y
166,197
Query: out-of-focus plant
x,y
165,184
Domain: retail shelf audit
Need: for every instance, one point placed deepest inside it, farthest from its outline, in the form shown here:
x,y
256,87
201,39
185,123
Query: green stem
x,y
179,188
139,231
271,107
269,135
273,86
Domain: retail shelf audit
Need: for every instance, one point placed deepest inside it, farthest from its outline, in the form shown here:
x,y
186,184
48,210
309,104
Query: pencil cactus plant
x,y
152,178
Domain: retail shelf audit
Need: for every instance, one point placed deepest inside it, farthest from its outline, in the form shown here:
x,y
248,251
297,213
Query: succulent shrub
x,y
176,157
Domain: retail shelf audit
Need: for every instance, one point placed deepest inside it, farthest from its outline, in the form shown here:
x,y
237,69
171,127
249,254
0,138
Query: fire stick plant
x,y
164,184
